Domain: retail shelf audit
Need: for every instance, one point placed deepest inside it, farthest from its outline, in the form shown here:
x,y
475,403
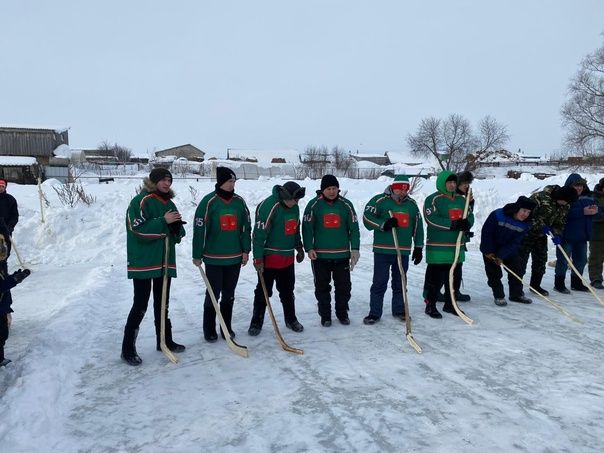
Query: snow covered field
x,y
522,378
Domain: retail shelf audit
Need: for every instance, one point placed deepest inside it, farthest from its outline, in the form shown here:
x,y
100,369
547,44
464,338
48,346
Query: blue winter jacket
x,y
501,233
578,225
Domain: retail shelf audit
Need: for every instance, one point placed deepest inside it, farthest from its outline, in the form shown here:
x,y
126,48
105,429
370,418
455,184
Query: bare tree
x,y
492,135
121,153
458,141
315,159
428,140
341,160
583,112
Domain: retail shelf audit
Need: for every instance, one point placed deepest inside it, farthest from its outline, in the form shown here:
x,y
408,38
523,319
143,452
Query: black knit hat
x,y
291,191
329,181
566,193
465,176
157,174
525,203
224,174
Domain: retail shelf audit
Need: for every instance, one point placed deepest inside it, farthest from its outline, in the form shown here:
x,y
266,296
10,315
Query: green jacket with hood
x,y
410,230
146,231
440,209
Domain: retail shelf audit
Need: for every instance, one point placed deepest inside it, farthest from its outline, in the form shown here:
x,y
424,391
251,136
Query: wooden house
x,y
32,142
187,151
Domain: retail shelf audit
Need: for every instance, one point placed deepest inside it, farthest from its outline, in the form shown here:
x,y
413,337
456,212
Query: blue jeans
x,y
577,251
382,264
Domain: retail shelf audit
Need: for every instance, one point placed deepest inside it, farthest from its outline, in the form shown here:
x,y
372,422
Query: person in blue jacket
x,y
577,233
501,237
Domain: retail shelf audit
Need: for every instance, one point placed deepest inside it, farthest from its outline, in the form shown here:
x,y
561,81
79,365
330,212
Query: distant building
x,y
18,169
32,142
376,158
187,151
264,156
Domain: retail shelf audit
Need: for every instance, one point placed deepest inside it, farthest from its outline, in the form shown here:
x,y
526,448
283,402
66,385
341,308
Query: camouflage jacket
x,y
548,212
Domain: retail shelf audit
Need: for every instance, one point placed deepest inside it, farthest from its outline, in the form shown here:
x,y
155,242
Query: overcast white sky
x,y
287,74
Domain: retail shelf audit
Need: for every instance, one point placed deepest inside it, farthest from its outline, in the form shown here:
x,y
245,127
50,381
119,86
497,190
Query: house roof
x,y
263,156
17,161
12,128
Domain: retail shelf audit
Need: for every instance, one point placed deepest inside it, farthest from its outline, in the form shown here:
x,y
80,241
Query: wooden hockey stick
x,y
399,260
549,301
233,346
164,292
461,314
13,246
280,338
572,266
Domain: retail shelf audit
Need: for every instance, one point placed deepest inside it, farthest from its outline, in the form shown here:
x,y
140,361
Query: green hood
x,y
441,180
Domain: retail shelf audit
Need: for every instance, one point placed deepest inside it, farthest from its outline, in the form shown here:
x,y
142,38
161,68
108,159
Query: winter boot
x,y
326,322
226,309
522,299
171,345
209,325
294,325
369,320
4,362
500,301
536,285
344,320
577,284
597,284
129,354
431,310
459,297
559,284
448,308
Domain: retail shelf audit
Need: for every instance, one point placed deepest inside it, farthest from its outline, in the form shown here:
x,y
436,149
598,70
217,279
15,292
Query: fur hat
x,y
465,176
401,182
291,191
157,174
329,181
525,203
566,193
224,174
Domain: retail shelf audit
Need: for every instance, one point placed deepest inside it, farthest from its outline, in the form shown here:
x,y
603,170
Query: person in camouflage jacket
x,y
443,211
392,209
151,219
596,244
330,231
549,216
221,239
275,238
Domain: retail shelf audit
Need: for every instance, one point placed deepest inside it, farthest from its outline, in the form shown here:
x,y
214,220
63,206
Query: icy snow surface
x,y
522,378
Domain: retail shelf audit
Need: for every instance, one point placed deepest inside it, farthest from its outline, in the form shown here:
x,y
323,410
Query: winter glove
x,y
546,230
557,240
460,225
494,257
174,227
417,255
354,258
20,275
390,223
259,265
469,235
299,254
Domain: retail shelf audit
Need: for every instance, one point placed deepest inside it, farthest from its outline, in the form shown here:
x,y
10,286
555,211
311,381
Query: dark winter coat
x,y
598,220
502,234
222,230
410,232
9,212
6,284
578,226
330,228
146,230
440,209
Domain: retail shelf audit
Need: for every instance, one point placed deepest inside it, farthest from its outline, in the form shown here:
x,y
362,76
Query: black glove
x,y
460,225
174,227
417,256
469,235
299,255
390,223
20,275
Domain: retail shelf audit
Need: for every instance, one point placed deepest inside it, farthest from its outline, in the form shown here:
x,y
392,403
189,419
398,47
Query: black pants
x,y
437,275
142,292
495,274
223,281
323,271
285,280
3,334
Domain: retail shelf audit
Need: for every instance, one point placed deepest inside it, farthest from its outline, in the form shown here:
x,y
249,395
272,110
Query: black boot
x,y
577,284
170,344
256,324
536,285
129,354
226,309
559,284
432,311
209,325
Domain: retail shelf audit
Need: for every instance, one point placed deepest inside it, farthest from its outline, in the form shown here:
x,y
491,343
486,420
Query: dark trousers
x,y
142,292
536,247
223,281
285,280
577,251
323,271
596,260
437,275
3,333
383,265
495,274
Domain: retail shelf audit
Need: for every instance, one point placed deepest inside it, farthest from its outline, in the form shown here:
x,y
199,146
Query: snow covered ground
x,y
522,378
